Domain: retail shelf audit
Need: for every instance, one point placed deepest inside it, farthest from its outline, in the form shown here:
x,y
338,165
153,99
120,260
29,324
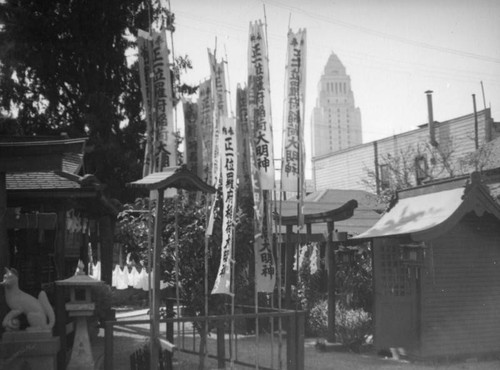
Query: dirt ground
x,y
127,339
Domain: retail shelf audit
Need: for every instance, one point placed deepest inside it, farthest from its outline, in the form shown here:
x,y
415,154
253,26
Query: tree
x,y
63,68
188,216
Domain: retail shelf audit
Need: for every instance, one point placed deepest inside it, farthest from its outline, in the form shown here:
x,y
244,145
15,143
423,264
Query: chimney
x,y
432,131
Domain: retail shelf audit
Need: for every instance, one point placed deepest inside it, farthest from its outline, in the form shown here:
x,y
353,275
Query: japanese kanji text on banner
x,y
229,175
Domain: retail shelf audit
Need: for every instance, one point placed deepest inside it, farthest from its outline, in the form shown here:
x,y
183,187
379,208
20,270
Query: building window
x,y
421,169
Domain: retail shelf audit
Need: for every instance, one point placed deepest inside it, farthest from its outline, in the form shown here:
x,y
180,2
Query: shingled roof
x,y
49,180
39,181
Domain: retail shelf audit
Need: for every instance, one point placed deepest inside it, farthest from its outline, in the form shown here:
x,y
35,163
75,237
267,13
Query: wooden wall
x,y
461,291
346,168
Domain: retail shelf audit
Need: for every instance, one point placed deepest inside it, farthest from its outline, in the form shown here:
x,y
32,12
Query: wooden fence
x,y
290,339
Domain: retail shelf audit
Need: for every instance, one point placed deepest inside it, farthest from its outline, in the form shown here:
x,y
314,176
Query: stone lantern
x,y
80,306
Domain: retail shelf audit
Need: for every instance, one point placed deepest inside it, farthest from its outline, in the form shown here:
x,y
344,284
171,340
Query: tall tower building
x,y
336,122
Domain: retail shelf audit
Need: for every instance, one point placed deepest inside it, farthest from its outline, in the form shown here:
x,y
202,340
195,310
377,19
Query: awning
x,y
416,214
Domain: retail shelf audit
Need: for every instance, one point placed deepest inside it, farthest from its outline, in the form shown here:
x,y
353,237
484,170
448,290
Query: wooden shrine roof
x,y
21,154
173,177
429,211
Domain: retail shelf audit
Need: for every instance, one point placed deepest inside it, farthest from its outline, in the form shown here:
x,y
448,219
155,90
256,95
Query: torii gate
x,y
344,212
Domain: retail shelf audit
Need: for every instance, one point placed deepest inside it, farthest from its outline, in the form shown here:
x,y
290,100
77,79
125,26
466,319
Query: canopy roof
x,y
173,177
430,211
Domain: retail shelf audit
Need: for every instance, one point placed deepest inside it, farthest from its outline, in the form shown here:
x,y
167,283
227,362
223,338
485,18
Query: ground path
x,y
127,339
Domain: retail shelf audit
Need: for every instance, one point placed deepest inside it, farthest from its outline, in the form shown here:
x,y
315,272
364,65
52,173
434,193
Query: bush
x,y
317,320
352,326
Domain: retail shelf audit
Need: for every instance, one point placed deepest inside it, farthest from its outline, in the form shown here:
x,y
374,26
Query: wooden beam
x,y
60,251
331,283
4,241
41,221
289,252
155,322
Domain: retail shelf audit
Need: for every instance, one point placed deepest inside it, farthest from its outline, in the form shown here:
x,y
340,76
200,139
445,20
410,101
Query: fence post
x,y
108,345
221,352
291,343
300,337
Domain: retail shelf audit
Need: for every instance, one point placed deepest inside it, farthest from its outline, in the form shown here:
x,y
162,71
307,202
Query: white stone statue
x,y
39,312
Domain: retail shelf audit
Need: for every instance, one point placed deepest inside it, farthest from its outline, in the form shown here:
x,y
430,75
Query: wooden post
x,y
331,283
108,345
4,241
60,252
221,350
106,241
60,327
289,249
169,329
291,343
300,338
155,322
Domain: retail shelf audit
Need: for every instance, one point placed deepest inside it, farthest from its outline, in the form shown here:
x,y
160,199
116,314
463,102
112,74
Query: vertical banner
x,y
218,88
229,174
259,105
244,139
165,145
292,169
219,96
145,52
193,143
265,271
205,124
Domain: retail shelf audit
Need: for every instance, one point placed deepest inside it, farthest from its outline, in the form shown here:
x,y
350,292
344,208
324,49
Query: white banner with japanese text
x,y
259,105
229,162
165,143
244,141
193,139
265,270
144,47
205,124
292,169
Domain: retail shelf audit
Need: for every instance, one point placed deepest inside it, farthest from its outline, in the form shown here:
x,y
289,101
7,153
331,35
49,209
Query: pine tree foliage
x,y
70,66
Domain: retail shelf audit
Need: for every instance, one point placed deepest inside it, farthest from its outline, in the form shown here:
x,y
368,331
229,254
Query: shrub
x,y
317,320
351,325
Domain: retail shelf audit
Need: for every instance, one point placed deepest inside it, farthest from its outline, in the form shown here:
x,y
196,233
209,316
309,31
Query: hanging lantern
x,y
345,256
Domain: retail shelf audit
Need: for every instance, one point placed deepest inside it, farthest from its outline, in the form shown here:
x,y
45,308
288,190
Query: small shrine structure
x,y
324,214
436,271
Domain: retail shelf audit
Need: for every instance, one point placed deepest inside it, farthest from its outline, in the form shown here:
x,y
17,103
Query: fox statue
x,y
39,312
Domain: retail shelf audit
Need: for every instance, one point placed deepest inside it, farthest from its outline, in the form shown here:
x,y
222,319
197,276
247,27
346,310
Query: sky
x,y
393,51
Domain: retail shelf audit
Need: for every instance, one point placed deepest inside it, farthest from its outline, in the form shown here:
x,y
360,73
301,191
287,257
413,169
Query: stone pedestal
x,y
29,350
